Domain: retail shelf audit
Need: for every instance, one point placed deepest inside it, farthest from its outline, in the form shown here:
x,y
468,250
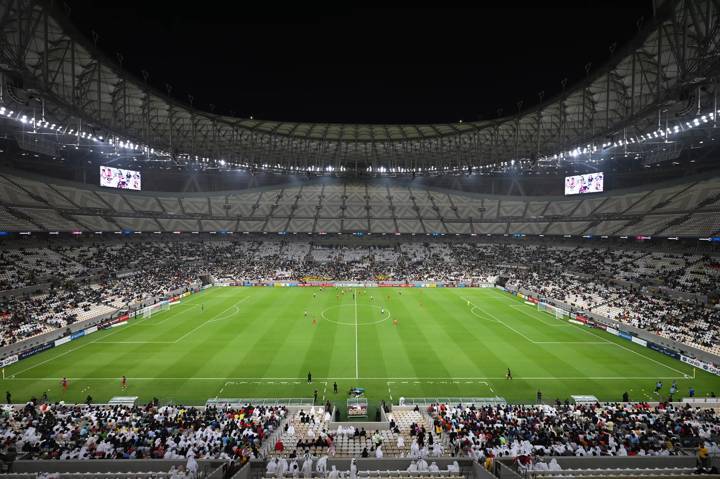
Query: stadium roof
x,y
51,73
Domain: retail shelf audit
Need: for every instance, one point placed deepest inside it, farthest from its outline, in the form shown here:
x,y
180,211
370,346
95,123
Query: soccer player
x,y
309,377
123,382
335,387
306,314
8,397
202,307
382,310
64,384
658,386
509,374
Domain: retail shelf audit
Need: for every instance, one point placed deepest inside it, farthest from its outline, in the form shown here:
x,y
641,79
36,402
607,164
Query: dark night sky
x,y
358,65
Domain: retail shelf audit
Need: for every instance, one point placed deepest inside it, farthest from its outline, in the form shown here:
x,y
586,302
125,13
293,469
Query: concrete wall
x,y
370,426
108,465
635,461
505,472
257,467
479,472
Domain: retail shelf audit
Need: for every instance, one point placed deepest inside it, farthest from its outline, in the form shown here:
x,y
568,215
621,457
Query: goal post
x,y
147,313
559,313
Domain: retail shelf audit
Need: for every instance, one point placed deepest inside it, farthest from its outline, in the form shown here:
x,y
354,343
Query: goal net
x,y
147,312
559,313
165,306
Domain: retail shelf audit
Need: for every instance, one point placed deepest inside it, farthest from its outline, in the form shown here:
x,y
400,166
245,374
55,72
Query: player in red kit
x,y
64,384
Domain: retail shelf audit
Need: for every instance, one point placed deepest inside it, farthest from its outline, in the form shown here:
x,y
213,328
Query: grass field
x,y
256,342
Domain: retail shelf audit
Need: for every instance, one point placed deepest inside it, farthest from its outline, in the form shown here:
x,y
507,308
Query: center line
x,y
357,373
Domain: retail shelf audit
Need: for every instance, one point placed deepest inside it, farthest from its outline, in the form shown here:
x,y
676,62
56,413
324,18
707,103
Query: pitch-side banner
x,y
35,350
8,361
700,364
662,349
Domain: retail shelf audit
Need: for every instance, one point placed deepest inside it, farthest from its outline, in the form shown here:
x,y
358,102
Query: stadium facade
x,y
199,198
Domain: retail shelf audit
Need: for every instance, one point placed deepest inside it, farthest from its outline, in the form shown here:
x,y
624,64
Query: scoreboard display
x,y
118,178
581,184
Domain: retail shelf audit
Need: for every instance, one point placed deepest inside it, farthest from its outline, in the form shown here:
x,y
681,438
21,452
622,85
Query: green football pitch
x,y
238,342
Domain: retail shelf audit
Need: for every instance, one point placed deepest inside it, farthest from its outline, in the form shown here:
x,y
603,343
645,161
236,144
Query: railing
x,y
478,401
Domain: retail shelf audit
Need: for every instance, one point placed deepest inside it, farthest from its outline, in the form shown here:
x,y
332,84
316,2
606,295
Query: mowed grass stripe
x,y
389,337
373,360
54,357
321,338
418,347
200,345
576,335
265,346
275,344
515,351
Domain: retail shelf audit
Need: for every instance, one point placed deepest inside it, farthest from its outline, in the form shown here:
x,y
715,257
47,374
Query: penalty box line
x,y
605,340
498,320
102,337
214,319
602,340
524,310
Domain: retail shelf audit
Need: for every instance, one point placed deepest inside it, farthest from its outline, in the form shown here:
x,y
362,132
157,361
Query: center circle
x,y
348,318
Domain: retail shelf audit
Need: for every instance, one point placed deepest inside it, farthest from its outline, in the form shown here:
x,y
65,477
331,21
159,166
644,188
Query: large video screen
x,y
590,183
118,178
